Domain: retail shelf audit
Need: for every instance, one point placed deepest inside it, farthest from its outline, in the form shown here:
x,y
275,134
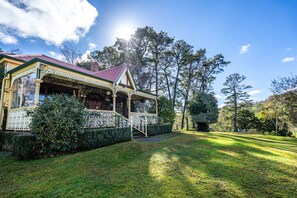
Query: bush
x,y
26,147
158,129
95,138
57,122
166,111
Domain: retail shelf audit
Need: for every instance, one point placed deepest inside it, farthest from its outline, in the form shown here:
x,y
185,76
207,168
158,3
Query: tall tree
x,y
70,53
235,92
179,51
209,69
159,43
189,75
108,56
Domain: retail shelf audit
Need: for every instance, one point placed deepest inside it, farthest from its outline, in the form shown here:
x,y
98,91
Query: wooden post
x,y
129,105
114,98
37,91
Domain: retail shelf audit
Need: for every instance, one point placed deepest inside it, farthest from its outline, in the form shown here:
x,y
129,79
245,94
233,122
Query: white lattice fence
x,y
98,119
18,120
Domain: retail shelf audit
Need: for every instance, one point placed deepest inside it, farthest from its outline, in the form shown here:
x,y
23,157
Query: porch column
x,y
129,105
114,98
37,90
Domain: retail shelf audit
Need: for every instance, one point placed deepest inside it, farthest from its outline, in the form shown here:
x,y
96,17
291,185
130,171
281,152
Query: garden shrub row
x,y
27,147
94,138
158,129
6,140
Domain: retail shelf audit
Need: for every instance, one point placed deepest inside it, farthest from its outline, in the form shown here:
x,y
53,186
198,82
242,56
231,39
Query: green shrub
x,y
98,137
158,129
166,111
57,122
6,140
26,147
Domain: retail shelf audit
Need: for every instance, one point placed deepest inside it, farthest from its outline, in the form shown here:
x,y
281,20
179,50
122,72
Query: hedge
x,y
158,129
94,138
6,140
26,147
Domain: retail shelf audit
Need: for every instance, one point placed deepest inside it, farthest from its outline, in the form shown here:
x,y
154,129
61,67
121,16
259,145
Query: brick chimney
x,y
94,66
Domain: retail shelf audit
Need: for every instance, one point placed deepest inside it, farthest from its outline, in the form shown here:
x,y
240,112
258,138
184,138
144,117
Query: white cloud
x,y
91,47
56,55
53,21
288,59
52,53
244,48
254,92
222,105
217,96
7,39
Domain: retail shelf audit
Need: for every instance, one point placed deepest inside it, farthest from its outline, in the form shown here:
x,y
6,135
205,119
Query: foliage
x,y
285,84
108,57
204,110
231,164
225,120
247,120
159,129
165,110
26,147
71,53
98,137
57,122
2,75
235,92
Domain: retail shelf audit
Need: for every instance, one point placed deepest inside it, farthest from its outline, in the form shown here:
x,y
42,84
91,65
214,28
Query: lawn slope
x,y
189,164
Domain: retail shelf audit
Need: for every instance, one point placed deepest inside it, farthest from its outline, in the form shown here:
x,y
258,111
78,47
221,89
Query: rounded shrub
x,y
57,122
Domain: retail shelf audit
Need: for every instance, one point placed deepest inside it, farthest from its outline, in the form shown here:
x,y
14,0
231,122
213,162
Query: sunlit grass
x,y
187,165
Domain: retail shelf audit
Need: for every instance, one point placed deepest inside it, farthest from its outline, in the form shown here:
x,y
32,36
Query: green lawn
x,y
188,165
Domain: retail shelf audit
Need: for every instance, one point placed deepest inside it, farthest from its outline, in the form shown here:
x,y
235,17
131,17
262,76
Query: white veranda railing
x,y
18,119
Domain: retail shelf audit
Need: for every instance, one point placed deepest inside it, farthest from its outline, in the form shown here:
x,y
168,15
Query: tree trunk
x,y
168,86
235,112
187,120
184,110
175,86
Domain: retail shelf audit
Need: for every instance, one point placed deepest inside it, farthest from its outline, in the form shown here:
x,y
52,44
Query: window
x,y
23,91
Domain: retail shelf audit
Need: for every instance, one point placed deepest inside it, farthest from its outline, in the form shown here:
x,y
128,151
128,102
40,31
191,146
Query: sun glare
x,y
124,31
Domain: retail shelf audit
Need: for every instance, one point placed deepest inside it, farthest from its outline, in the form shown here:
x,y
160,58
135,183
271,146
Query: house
x,y
111,94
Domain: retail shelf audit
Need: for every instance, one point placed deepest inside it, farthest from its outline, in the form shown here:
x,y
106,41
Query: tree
x,y
108,57
247,120
189,76
204,111
158,44
166,112
208,69
70,53
235,92
179,52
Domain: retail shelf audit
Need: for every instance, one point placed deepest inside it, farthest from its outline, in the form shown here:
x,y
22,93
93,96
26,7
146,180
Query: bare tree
x,y
71,53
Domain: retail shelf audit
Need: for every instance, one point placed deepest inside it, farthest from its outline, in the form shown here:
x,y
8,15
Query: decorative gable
x,y
126,79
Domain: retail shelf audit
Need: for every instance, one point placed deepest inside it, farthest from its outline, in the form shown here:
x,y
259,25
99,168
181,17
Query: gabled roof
x,y
110,74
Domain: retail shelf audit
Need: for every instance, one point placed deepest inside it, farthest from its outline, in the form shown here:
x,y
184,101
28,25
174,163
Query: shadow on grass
x,y
186,165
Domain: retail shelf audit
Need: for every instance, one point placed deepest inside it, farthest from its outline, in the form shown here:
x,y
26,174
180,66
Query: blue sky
x,y
265,31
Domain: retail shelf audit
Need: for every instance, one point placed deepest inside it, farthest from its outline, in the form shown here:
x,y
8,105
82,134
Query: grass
x,y
187,165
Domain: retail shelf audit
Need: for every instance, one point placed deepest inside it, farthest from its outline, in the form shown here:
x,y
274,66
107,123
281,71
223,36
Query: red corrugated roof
x,y
110,74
